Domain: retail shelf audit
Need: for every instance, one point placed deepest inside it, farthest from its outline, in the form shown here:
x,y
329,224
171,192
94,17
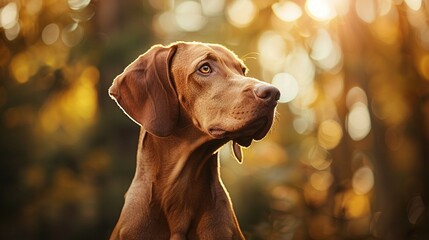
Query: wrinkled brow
x,y
207,56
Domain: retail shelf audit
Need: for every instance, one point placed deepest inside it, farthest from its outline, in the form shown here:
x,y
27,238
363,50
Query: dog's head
x,y
206,83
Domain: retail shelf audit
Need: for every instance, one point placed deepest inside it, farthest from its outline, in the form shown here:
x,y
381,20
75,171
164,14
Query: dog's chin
x,y
261,129
254,130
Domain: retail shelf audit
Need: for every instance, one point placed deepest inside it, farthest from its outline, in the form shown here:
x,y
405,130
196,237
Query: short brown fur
x,y
186,116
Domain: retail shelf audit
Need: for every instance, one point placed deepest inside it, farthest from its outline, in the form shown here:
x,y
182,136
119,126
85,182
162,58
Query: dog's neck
x,y
173,166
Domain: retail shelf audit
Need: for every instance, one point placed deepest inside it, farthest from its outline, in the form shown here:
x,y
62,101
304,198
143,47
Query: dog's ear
x,y
145,92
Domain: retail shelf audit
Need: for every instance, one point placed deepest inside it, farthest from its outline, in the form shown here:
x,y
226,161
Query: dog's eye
x,y
205,69
244,70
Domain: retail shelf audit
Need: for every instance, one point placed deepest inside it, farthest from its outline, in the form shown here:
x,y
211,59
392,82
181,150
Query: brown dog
x,y
190,99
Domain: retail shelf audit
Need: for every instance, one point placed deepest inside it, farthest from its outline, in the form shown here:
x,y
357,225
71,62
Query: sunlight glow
x,y
358,121
189,16
287,11
320,10
50,33
72,34
33,7
363,180
78,4
414,4
287,85
12,32
322,45
329,134
321,180
23,67
304,122
59,112
366,10
165,23
354,95
241,13
384,7
352,205
212,8
272,49
424,66
297,60
9,15
341,6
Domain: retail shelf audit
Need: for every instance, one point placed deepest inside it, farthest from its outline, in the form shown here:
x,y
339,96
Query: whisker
x,y
251,55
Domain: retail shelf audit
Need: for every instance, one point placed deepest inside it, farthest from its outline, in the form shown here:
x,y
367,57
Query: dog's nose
x,y
267,92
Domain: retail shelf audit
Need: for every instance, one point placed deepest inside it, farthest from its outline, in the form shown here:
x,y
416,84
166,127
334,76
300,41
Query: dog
x,y
190,99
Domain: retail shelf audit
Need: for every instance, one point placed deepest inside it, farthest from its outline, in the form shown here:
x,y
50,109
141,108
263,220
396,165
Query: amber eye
x,y
205,69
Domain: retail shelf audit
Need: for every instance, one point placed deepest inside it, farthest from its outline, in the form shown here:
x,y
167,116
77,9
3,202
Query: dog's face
x,y
217,96
203,83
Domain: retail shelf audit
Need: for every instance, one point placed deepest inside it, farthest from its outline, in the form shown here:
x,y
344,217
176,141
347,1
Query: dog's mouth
x,y
255,130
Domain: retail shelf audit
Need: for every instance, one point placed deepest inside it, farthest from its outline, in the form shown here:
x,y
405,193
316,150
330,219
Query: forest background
x,y
348,157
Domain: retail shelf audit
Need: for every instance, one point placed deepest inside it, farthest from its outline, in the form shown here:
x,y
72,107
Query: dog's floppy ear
x,y
145,92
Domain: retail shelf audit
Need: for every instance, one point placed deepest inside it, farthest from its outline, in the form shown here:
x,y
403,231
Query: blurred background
x,y
348,157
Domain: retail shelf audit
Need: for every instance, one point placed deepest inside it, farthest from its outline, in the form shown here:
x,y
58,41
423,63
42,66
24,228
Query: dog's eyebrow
x,y
207,56
211,56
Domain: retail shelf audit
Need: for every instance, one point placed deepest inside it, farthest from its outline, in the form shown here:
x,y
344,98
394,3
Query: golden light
x,y
354,95
284,198
366,10
13,32
351,205
329,134
363,180
307,95
424,66
287,85
334,86
33,7
384,7
297,60
60,111
325,51
189,16
72,34
417,19
322,45
321,180
414,4
314,196
386,30
165,23
78,4
212,8
9,15
272,49
304,122
241,13
287,11
358,121
23,67
341,6
334,60
320,10
50,33
319,158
